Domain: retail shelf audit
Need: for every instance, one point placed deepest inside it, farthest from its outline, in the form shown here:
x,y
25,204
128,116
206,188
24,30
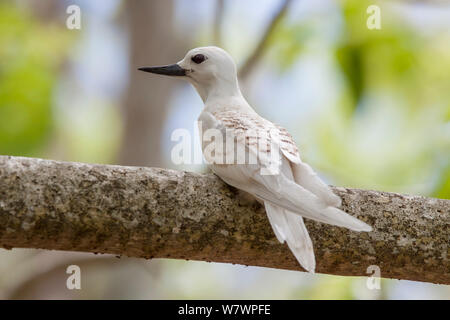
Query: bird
x,y
257,156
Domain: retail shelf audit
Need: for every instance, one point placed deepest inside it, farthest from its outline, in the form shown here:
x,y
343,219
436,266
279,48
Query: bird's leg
x,y
247,199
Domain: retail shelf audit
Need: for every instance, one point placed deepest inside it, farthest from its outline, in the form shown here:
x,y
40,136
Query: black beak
x,y
170,70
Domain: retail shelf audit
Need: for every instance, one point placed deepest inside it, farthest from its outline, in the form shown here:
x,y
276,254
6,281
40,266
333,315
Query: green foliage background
x,y
388,129
30,58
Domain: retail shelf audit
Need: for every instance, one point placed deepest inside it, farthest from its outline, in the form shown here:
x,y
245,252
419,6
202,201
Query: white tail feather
x,y
304,203
290,227
340,218
277,221
300,244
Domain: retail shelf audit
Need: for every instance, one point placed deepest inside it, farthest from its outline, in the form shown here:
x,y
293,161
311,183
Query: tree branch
x,y
259,50
159,213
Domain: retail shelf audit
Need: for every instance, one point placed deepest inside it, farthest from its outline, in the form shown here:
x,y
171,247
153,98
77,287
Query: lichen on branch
x,y
160,213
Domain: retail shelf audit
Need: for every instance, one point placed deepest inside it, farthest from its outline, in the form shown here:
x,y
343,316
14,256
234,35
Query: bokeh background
x,y
368,108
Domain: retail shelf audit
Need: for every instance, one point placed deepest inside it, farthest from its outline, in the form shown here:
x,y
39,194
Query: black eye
x,y
198,58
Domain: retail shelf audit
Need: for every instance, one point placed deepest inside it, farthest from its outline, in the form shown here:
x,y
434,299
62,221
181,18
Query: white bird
x,y
291,191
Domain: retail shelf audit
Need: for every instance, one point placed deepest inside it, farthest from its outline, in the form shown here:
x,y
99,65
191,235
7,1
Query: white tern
x,y
287,186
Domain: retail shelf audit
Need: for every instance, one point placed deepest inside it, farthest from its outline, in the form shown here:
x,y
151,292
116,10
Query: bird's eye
x,y
198,58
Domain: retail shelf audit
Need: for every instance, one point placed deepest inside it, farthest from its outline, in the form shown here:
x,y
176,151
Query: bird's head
x,y
211,70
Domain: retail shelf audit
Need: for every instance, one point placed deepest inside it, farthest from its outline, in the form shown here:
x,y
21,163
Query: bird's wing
x,y
255,134
304,175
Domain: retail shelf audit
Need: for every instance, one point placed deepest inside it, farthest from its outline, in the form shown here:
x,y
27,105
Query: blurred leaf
x,y
349,59
329,288
401,78
29,58
443,189
287,43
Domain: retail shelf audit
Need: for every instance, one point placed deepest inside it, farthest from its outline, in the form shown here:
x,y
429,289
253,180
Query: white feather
x,y
280,190
290,227
308,179
277,221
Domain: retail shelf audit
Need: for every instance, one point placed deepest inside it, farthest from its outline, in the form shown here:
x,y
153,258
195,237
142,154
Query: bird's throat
x,y
217,89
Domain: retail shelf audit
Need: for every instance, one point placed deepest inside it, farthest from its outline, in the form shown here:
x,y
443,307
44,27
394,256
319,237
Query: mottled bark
x,y
159,213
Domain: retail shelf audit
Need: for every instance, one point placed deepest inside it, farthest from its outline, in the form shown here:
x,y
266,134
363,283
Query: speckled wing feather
x,y
303,198
248,128
256,132
287,145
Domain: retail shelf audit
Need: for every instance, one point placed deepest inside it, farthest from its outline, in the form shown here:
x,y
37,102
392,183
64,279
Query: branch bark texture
x,y
159,213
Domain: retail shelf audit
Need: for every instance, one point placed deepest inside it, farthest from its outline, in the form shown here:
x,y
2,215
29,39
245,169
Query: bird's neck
x,y
218,90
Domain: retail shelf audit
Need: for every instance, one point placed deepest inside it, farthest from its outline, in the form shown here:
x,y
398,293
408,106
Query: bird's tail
x,y
290,227
295,198
309,182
